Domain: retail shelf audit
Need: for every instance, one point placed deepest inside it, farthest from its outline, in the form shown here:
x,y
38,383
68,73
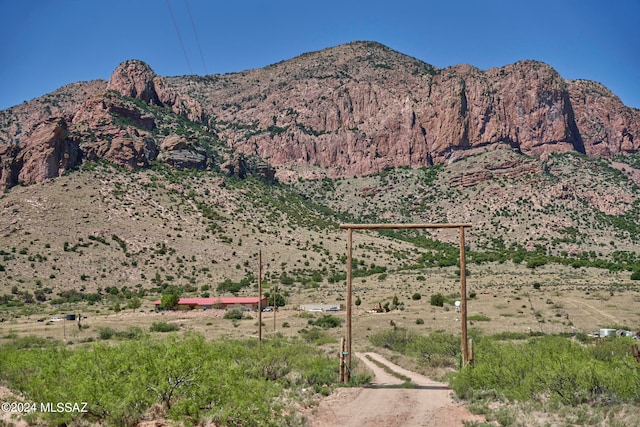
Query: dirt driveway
x,y
387,403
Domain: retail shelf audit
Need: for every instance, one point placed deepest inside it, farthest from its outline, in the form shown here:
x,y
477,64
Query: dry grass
x,y
167,235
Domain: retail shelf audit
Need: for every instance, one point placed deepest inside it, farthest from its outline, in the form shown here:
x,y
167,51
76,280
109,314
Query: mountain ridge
x,y
350,110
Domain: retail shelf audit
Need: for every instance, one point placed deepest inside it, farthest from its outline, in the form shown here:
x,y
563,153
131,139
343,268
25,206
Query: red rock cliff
x,y
354,110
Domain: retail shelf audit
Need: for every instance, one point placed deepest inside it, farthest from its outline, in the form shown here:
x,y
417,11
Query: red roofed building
x,y
225,303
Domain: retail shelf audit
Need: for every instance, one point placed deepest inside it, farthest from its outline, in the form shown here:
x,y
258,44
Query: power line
x,y
193,25
175,24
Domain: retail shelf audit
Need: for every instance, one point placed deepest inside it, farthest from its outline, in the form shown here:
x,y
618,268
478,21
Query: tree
x,y
395,301
134,303
169,301
280,300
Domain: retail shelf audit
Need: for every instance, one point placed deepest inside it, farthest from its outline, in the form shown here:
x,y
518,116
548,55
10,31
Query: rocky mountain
x,y
173,181
351,110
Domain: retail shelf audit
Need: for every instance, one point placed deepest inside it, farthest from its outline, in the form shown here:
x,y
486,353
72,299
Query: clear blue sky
x,y
49,43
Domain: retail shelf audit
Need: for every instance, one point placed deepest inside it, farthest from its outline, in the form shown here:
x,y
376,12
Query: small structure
x,y
320,307
246,303
377,309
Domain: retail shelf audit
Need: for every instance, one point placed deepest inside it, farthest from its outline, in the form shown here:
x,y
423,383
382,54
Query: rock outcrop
x,y
180,153
136,79
46,152
606,125
359,108
355,109
115,130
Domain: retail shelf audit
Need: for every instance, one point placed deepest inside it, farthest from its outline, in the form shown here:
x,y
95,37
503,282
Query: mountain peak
x,y
134,78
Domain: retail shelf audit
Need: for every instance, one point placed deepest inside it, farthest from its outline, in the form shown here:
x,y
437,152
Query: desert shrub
x,y
419,321
552,368
106,333
29,341
225,382
131,333
436,350
437,300
397,339
305,315
479,318
416,296
234,314
316,336
505,336
164,327
537,261
229,286
327,321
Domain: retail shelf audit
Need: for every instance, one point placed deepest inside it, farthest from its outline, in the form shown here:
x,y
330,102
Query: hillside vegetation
x,y
116,198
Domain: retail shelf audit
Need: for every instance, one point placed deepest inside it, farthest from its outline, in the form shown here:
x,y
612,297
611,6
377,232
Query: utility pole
x,y
347,373
275,306
260,296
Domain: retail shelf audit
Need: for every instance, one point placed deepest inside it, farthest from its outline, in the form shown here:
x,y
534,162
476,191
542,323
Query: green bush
x,y
479,318
164,327
438,349
169,301
553,368
316,336
397,339
437,300
219,382
536,261
416,296
106,333
327,321
234,314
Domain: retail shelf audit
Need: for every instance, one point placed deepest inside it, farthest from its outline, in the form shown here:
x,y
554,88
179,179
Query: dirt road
x,y
387,403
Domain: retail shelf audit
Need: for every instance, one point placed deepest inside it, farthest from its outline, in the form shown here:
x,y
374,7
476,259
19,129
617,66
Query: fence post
x,y
341,379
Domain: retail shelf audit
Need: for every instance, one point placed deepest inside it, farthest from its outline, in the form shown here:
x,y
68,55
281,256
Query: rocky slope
x,y
350,110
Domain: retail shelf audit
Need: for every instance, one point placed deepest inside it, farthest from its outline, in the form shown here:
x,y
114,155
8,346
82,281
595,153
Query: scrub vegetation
x,y
226,382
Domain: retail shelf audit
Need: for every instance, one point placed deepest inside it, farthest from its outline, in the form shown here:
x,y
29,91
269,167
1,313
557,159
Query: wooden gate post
x,y
341,378
463,294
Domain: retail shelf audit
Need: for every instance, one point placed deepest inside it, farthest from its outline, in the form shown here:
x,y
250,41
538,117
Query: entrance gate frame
x,y
346,374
